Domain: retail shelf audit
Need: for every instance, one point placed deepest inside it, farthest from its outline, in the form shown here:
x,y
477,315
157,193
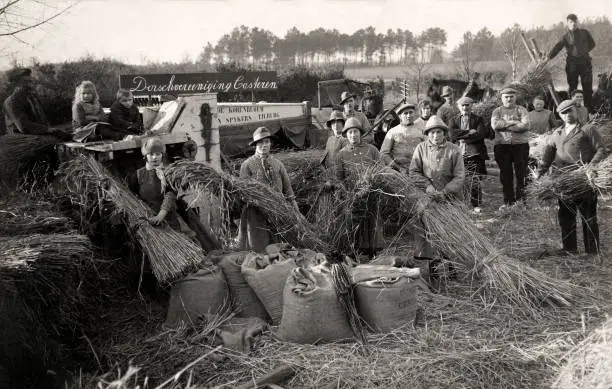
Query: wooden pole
x,y
534,55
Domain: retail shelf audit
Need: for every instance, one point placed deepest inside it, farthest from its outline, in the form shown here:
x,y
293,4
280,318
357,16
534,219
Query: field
x,y
459,340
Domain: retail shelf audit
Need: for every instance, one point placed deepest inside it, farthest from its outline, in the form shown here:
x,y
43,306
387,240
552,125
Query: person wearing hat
x,y
511,145
468,131
577,42
582,111
425,109
23,112
436,168
449,108
568,147
255,233
400,141
350,161
348,102
335,142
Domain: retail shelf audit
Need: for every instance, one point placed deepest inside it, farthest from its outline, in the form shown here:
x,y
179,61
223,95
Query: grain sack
x,y
244,301
199,294
387,303
372,272
311,312
267,277
392,260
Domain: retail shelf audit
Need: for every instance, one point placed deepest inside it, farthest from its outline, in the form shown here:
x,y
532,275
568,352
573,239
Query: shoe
x,y
476,210
564,252
503,207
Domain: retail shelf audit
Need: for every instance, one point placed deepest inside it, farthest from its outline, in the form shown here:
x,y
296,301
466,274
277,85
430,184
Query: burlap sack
x,y
311,312
244,300
267,279
200,294
388,303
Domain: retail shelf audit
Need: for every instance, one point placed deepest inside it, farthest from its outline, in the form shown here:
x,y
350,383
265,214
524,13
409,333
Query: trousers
x,y
580,68
586,206
512,160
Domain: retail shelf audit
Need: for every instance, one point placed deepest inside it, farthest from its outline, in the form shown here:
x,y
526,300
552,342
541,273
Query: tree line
x,y
260,48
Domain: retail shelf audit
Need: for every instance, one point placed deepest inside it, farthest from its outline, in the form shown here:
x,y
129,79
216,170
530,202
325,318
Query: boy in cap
x,y
578,42
582,112
468,131
511,145
400,141
448,109
23,112
255,234
335,142
437,168
567,147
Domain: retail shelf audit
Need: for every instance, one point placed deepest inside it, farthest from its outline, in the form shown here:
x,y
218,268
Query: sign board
x,y
230,114
192,83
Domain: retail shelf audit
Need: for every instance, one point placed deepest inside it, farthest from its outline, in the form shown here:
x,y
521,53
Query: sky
x,y
138,31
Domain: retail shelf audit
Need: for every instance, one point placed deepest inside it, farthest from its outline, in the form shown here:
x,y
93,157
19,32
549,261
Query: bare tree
x,y
417,72
511,41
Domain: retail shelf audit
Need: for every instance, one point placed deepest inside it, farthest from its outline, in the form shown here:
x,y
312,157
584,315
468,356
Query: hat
x,y
508,90
17,73
335,115
345,96
259,134
152,145
435,122
572,17
353,122
447,91
576,91
565,105
464,100
404,107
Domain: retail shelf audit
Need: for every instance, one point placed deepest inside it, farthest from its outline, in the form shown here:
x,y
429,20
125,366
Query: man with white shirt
x,y
568,146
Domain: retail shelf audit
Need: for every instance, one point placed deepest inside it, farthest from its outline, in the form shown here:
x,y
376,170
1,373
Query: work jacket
x,y
474,143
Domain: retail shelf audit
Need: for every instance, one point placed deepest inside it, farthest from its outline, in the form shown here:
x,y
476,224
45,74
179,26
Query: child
x,y
437,168
88,118
124,115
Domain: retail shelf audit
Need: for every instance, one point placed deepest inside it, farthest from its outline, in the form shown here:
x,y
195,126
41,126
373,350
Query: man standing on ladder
x,y
578,42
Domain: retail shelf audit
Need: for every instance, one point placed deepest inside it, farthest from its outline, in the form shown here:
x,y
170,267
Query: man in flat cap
x,y
400,141
567,147
23,112
511,145
468,130
578,42
449,108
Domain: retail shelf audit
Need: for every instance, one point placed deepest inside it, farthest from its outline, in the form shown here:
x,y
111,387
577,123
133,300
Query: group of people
x,y
24,113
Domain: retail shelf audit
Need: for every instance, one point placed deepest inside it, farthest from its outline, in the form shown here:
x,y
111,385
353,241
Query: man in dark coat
x,y
578,42
568,146
23,112
468,131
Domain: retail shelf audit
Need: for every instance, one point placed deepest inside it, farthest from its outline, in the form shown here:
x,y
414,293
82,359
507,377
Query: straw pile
x,y
24,220
170,253
452,232
589,363
285,221
19,152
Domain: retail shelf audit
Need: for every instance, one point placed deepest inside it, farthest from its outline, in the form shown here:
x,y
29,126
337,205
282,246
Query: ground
x,y
460,339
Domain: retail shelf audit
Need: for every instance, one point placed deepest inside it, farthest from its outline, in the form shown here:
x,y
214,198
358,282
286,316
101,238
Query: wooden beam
x,y
534,55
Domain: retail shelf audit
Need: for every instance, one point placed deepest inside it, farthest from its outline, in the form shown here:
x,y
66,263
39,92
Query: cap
x,y
508,90
565,105
353,122
345,96
464,100
404,107
447,91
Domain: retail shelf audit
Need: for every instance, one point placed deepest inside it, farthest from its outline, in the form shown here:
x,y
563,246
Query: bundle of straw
x,y
588,364
170,253
533,81
451,231
286,221
601,175
570,183
19,149
12,223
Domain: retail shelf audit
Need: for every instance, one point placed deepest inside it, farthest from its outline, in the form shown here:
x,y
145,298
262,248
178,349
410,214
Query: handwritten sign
x,y
192,83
